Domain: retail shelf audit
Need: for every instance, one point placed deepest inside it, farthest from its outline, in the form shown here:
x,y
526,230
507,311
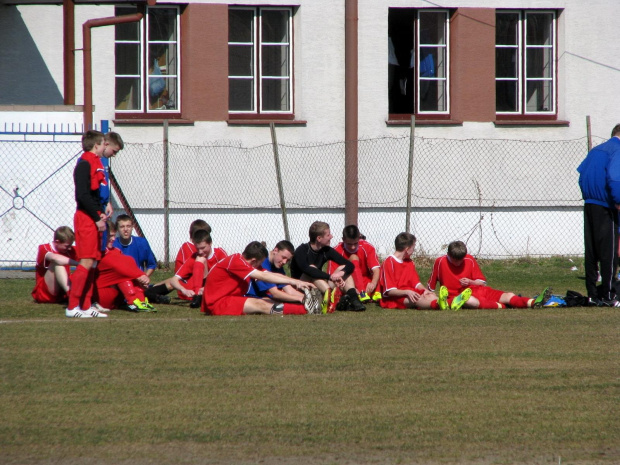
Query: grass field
x,y
381,387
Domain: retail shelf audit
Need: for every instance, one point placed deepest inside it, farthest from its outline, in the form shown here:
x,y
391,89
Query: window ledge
x,y
263,122
531,122
435,122
154,121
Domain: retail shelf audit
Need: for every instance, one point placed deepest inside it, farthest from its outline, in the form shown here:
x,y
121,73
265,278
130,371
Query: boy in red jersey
x,y
458,271
189,278
52,268
364,258
89,224
188,248
119,282
400,281
229,281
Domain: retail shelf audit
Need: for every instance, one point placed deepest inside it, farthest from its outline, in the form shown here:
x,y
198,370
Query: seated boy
x,y
189,279
230,279
52,267
364,258
400,281
308,262
188,248
119,283
457,272
275,261
136,247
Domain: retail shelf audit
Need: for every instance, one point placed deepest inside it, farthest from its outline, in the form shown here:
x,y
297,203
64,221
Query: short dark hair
x,y
90,139
64,234
403,241
255,250
201,235
111,226
115,138
123,217
199,224
285,245
351,232
457,250
616,130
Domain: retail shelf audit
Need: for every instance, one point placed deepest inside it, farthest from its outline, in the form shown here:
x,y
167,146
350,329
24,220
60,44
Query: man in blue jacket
x,y
599,180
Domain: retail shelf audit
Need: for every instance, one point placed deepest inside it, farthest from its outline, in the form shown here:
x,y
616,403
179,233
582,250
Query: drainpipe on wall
x,y
68,37
350,113
88,72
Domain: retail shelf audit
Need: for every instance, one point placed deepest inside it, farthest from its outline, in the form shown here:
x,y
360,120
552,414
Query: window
x,y
260,60
525,56
418,57
147,61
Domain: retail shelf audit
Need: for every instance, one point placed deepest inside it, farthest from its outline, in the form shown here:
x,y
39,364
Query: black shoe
x,y
162,299
357,306
129,307
196,301
609,303
344,304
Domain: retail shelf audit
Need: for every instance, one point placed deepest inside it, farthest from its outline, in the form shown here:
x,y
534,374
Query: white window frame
x,y
144,43
257,49
445,46
522,47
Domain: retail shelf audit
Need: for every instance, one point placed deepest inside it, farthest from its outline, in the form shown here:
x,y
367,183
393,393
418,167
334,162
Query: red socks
x,y
78,281
294,309
519,302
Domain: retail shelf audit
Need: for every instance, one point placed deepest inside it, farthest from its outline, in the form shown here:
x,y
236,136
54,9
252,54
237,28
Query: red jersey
x,y
367,255
115,267
186,270
41,267
447,274
230,277
185,253
397,274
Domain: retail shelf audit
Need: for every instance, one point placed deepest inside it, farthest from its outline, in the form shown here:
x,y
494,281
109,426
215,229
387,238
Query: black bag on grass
x,y
575,299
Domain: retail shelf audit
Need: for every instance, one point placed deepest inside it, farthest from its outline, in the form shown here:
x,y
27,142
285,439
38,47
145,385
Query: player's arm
x,y
277,278
82,191
59,259
372,285
151,261
175,282
345,266
312,271
283,296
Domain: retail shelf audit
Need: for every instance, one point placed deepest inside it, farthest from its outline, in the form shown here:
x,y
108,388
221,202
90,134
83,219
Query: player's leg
x,y
515,301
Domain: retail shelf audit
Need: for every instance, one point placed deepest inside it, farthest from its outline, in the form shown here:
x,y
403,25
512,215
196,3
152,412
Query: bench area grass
x,y
379,387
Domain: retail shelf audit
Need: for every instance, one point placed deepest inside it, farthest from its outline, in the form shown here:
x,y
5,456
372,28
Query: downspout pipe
x,y
68,18
351,112
88,72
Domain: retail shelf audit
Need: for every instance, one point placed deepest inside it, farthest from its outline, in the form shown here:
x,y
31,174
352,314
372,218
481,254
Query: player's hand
x,y
109,210
304,285
413,296
465,281
143,280
188,293
370,288
336,275
100,225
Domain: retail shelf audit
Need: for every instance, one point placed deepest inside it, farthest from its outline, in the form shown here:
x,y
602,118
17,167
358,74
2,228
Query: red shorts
x,y
42,295
395,302
88,238
108,297
486,293
229,305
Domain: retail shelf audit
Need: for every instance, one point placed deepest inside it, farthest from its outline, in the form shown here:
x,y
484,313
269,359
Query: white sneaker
x,y
312,302
97,306
92,311
76,313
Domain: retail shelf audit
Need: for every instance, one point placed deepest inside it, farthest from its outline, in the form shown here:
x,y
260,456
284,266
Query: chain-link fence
x,y
504,198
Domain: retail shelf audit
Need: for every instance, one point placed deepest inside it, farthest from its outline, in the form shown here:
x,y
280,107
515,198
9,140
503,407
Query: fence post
x,y
410,174
589,132
166,199
276,156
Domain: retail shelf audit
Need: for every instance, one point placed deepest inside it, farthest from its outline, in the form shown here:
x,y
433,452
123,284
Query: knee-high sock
x,y
89,287
520,302
130,291
294,309
198,274
78,281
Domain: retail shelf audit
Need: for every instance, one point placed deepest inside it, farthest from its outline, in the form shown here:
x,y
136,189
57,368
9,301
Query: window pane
x,y
275,95
162,59
127,94
240,25
538,62
506,62
162,93
506,96
275,60
432,62
432,28
275,25
126,31
162,24
507,29
127,59
433,95
539,96
240,60
539,29
241,94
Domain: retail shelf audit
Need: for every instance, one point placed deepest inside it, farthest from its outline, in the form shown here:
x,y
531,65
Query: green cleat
x,y
364,298
376,297
144,306
442,300
460,300
542,298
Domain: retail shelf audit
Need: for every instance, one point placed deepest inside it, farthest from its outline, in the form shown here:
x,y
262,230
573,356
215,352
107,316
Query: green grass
x,y
511,386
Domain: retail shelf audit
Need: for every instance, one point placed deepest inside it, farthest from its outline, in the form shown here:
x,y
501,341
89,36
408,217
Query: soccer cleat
x,y
357,305
460,300
442,299
162,299
312,301
76,313
344,303
196,301
93,313
325,302
364,298
609,303
376,297
97,306
143,306
542,298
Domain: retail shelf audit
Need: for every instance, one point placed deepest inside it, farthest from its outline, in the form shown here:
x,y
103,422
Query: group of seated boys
x,y
322,279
